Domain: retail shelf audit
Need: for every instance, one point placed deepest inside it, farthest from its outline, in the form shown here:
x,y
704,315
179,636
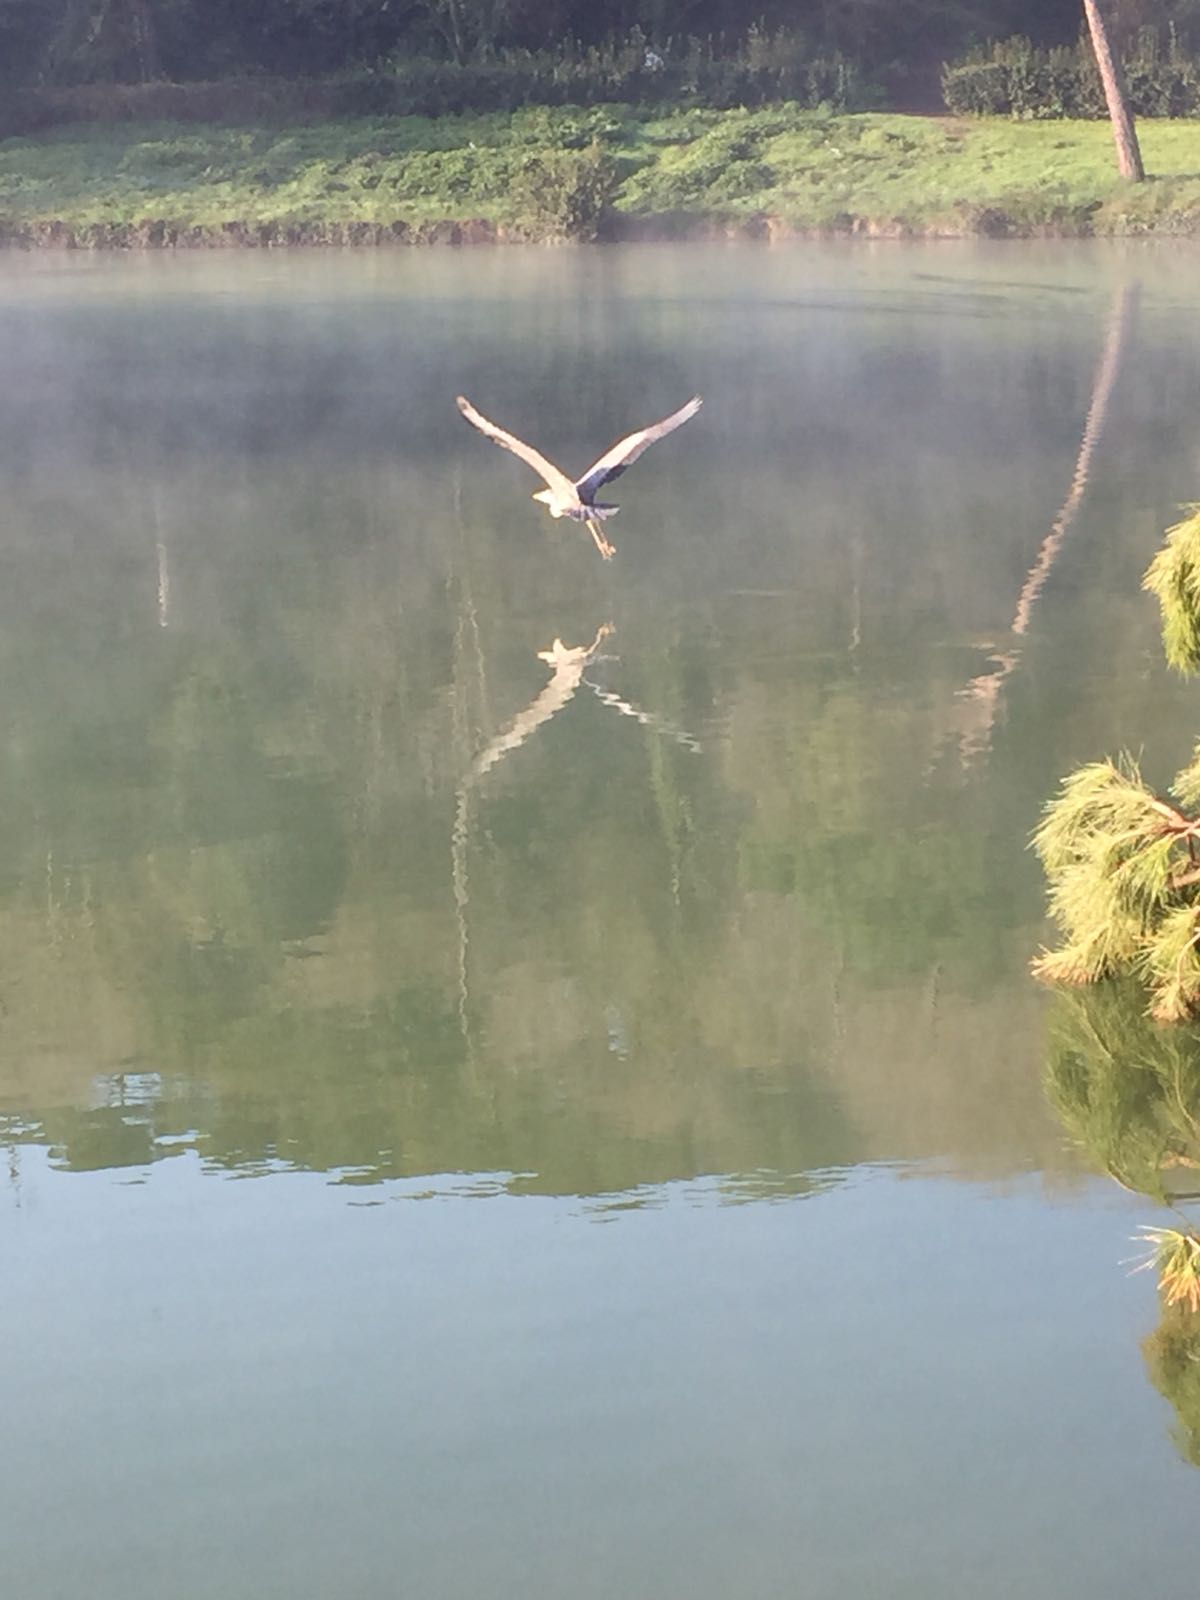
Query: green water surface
x,y
534,1002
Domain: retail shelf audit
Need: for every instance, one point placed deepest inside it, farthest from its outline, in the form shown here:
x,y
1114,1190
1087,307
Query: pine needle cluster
x,y
1123,862
1177,1258
1174,577
1124,873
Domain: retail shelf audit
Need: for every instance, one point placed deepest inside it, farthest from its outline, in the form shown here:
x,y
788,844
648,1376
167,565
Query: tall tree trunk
x,y
145,41
458,43
1129,156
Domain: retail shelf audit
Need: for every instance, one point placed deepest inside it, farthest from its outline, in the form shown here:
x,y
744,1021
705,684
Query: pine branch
x,y
1174,577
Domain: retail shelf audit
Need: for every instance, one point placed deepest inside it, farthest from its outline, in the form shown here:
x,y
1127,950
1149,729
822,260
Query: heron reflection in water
x,y
577,499
569,664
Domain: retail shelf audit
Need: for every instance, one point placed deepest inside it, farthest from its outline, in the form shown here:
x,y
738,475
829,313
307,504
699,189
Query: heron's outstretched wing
x,y
613,462
558,481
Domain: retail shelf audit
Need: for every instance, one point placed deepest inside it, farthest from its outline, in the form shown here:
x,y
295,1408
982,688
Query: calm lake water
x,y
479,1129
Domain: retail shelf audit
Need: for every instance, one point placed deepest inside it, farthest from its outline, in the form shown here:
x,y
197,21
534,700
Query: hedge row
x,y
766,68
1013,78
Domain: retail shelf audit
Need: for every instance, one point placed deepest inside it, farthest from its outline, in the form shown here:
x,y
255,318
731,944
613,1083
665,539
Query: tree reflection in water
x,y
251,649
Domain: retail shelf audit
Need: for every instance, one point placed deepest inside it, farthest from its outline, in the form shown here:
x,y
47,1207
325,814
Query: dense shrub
x,y
565,194
1013,78
765,68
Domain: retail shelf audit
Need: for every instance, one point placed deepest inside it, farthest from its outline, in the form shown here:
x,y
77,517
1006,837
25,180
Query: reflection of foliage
x,y
229,837
244,848
1127,1091
1122,861
1172,1355
900,878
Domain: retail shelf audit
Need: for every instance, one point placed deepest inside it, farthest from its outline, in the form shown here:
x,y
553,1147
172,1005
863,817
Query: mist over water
x,y
535,994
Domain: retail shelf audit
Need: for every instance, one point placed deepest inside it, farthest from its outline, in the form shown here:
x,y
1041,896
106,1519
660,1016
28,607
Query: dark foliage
x,y
434,55
131,41
566,194
764,68
1015,78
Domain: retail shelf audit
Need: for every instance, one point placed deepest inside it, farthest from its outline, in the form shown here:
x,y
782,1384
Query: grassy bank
x,y
542,173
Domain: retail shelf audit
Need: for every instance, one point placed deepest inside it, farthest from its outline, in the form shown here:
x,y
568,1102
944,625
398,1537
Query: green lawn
x,y
808,169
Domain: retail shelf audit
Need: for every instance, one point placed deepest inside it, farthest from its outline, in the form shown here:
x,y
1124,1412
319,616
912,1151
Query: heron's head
x,y
547,499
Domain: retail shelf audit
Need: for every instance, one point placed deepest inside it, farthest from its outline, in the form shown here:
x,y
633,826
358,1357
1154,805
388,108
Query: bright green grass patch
x,y
925,174
376,171
809,169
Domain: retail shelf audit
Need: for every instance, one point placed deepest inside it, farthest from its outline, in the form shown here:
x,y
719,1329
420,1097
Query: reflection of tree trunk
x,y
984,691
164,585
459,838
468,621
1129,155
163,563
1103,380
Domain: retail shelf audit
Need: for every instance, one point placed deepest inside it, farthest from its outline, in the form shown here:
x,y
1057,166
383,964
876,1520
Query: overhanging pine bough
x,y
1123,862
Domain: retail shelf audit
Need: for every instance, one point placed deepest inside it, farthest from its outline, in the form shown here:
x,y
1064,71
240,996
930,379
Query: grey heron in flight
x,y
577,499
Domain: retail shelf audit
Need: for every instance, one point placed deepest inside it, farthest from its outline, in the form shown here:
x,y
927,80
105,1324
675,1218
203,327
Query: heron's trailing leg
x,y
608,551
